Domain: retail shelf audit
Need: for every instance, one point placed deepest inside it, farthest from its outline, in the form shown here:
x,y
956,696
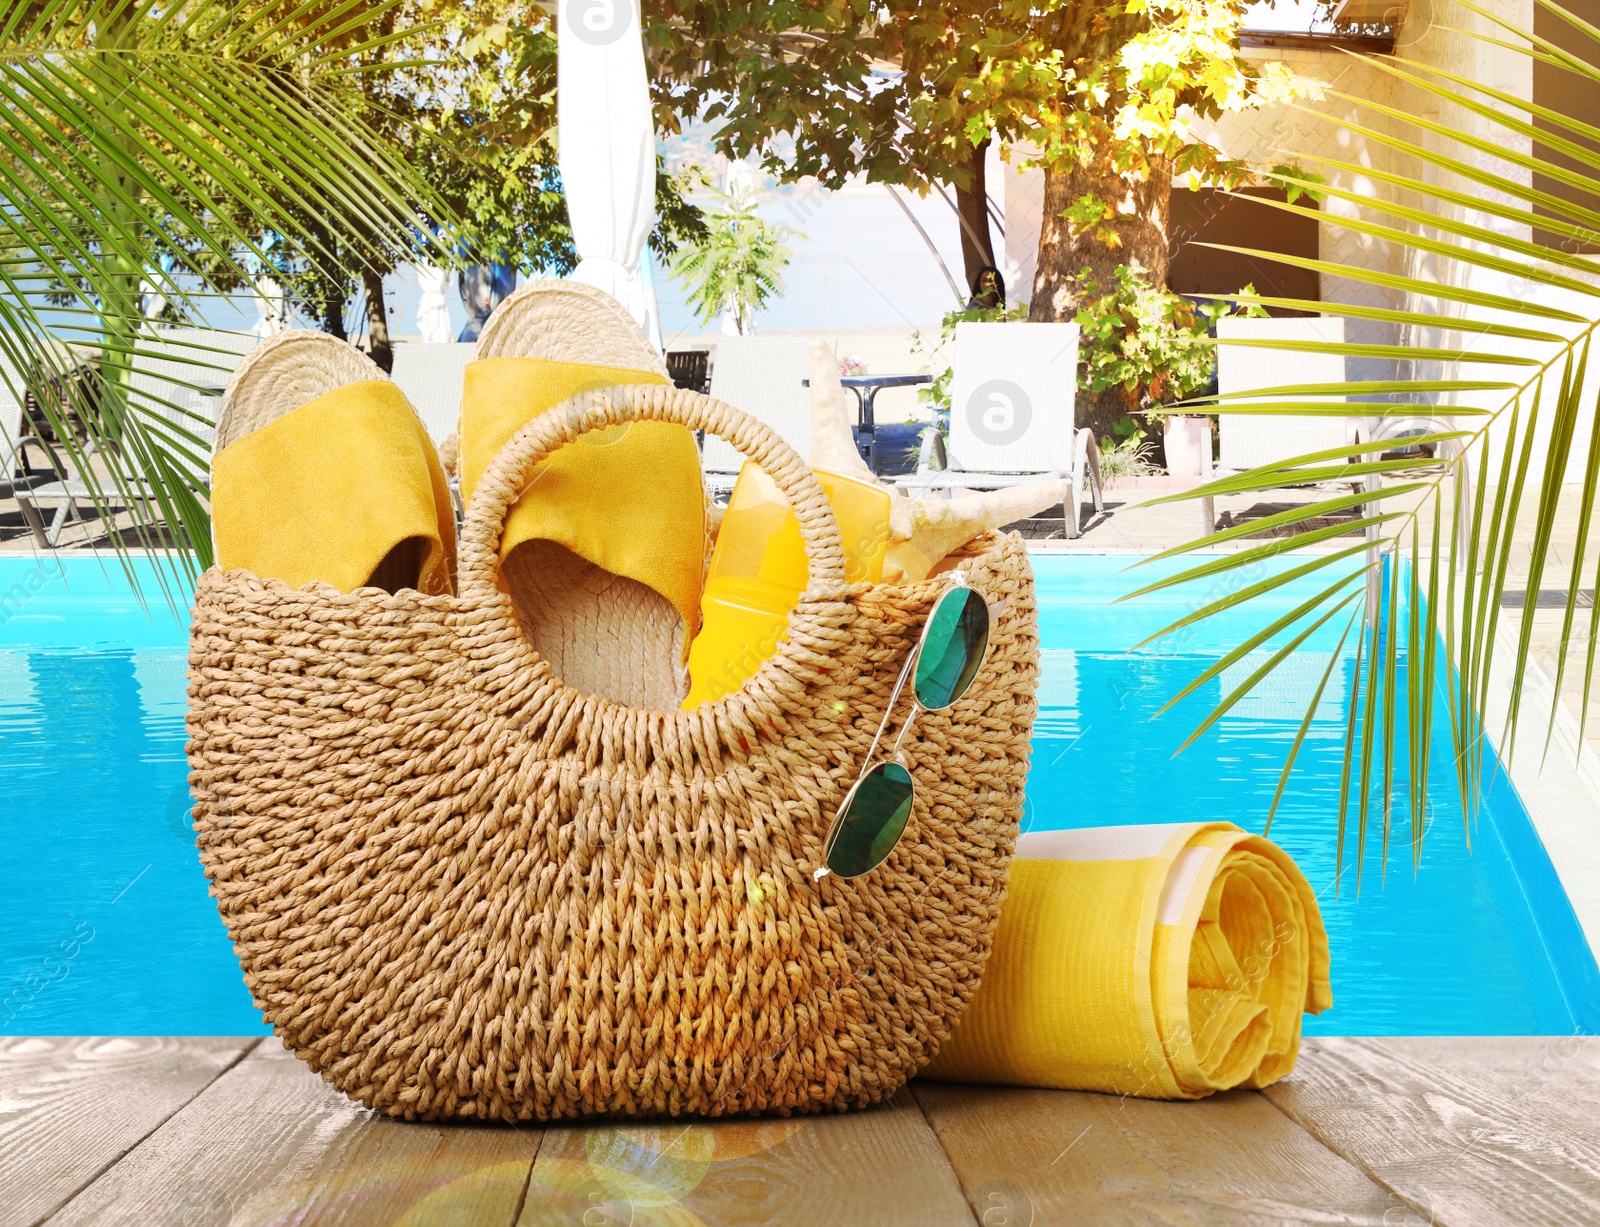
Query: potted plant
x,y
1187,440
1155,346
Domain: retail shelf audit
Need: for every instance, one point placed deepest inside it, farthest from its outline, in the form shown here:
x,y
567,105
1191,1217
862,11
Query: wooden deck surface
x,y
218,1132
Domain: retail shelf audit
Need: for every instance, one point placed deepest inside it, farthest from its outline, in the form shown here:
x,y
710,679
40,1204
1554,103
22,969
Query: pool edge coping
x,y
1560,790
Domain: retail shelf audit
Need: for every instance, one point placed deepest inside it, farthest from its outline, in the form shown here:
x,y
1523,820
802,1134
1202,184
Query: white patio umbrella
x,y
272,307
433,313
608,149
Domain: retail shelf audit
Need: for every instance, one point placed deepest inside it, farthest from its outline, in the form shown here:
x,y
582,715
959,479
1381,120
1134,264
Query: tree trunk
x,y
332,287
972,204
1090,35
331,292
378,347
1070,265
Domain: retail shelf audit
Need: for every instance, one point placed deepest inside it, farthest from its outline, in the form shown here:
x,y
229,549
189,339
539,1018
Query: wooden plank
x,y
882,1166
1037,1157
270,1142
1469,1131
69,1107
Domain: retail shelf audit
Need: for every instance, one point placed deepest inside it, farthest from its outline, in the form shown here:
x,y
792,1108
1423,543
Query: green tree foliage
x,y
1148,344
905,91
1106,95
465,93
469,100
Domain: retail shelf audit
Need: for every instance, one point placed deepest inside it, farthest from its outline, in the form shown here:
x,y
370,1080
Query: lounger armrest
x,y
18,455
24,441
52,456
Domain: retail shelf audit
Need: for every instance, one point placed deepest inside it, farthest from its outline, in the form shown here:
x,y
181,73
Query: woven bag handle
x,y
513,465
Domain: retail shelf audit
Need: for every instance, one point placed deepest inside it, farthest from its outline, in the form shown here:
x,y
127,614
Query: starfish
x,y
922,531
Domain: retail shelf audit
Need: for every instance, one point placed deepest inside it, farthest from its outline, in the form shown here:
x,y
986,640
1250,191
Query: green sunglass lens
x,y
952,649
873,821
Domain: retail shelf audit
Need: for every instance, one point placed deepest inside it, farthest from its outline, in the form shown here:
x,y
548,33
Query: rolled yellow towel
x,y
1166,961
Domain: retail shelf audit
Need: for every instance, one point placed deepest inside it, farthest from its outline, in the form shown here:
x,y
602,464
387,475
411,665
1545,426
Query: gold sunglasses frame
x,y
894,756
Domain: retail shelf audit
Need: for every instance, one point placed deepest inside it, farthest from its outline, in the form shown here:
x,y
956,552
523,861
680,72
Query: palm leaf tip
x,y
185,145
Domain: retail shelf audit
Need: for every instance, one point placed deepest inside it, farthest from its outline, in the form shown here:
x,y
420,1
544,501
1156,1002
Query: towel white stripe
x,y
1130,843
1180,885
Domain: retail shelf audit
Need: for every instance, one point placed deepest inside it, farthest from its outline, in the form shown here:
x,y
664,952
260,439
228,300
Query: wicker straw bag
x,y
459,888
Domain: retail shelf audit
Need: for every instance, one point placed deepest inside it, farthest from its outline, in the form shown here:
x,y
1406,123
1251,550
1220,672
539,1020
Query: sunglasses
x,y
941,667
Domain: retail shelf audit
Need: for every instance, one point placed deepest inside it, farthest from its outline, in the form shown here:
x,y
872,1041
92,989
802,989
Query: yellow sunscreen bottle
x,y
758,571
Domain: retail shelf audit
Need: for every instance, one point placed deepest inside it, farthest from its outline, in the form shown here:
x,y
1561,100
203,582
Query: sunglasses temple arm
x,y
888,711
905,728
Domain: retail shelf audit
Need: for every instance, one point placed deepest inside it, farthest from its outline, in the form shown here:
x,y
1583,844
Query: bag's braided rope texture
x,y
459,888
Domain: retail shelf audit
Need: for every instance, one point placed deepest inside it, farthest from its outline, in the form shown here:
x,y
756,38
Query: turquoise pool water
x,y
106,926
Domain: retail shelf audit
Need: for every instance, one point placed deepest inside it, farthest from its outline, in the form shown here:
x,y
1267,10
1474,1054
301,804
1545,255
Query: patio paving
x,y
222,1132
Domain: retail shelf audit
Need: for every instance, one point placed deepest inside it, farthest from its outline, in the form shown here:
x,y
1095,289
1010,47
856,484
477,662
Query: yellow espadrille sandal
x,y
324,472
604,553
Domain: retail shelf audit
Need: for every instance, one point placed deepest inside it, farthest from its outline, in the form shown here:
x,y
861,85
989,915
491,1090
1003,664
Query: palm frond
x,y
175,147
1486,322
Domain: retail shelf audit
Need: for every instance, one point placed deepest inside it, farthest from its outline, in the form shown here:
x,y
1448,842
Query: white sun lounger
x,y
175,387
431,375
1011,419
1251,440
177,382
28,485
764,376
17,479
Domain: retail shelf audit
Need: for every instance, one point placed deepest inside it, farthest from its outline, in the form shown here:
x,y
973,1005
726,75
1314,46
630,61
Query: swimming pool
x,y
106,926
